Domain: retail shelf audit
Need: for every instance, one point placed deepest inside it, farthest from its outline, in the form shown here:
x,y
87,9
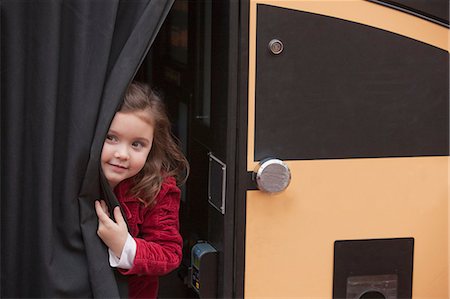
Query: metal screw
x,y
276,46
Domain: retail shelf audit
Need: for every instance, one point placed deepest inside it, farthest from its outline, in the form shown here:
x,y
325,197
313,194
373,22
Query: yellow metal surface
x,y
290,236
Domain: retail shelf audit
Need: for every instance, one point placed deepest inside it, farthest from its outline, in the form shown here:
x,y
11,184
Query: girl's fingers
x,y
102,216
99,209
118,216
104,207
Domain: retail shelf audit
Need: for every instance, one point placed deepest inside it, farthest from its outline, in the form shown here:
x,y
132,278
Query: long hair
x,y
165,158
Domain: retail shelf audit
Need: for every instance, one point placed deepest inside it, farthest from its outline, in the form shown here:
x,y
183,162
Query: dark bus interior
x,y
178,65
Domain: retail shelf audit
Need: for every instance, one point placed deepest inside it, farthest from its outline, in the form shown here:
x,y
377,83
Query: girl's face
x,y
126,146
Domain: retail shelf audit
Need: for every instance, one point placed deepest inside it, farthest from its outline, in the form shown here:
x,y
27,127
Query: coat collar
x,y
122,188
121,191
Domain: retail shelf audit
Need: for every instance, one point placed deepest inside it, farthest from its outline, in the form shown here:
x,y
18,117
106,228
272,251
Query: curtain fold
x,y
65,66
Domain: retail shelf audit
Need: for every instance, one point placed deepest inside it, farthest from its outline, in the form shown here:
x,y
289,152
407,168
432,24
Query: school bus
x,y
318,137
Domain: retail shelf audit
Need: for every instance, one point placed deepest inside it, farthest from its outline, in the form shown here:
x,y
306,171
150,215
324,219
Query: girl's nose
x,y
123,155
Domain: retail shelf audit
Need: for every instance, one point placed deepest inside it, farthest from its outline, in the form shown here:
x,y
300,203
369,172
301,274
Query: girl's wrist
x,y
117,250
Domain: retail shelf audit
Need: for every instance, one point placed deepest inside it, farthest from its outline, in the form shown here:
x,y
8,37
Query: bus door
x,y
190,63
348,146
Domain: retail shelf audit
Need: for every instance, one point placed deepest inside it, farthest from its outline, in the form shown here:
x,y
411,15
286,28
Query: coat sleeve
x,y
159,245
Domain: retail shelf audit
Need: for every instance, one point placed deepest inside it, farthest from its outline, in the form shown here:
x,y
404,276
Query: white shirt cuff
x,y
127,258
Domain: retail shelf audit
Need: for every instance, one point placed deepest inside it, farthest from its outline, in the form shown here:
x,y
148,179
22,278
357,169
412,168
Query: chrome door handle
x,y
272,176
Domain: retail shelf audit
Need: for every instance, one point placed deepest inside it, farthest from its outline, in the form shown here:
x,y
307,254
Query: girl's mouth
x,y
118,166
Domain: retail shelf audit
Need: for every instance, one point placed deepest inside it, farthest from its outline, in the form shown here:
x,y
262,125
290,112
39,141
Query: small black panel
x,y
340,89
381,267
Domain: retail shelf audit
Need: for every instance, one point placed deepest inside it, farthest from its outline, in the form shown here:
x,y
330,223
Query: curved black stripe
x,y
432,10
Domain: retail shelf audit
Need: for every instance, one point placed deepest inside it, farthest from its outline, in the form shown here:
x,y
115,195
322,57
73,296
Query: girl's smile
x,y
126,146
117,167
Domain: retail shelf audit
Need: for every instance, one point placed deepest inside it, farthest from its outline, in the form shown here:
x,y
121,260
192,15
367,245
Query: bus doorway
x,y
189,62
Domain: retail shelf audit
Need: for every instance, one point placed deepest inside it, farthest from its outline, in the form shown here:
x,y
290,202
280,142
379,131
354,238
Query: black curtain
x,y
64,68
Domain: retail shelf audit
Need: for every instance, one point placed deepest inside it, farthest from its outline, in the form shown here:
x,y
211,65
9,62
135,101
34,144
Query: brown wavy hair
x,y
165,158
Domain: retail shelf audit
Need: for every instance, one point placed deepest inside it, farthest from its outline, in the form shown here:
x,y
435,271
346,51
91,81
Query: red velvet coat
x,y
156,232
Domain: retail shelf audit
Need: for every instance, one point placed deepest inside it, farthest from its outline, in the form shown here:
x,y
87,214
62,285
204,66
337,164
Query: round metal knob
x,y
272,176
276,46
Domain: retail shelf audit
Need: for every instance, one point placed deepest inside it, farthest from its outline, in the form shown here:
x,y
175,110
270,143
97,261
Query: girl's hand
x,y
113,234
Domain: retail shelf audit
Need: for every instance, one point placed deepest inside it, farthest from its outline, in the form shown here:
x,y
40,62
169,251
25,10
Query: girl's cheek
x,y
107,147
106,152
142,161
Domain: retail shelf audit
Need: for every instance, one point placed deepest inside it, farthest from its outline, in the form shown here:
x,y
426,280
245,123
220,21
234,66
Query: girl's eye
x,y
111,138
137,145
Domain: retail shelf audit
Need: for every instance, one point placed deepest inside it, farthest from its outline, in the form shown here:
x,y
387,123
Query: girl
x,y
143,164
